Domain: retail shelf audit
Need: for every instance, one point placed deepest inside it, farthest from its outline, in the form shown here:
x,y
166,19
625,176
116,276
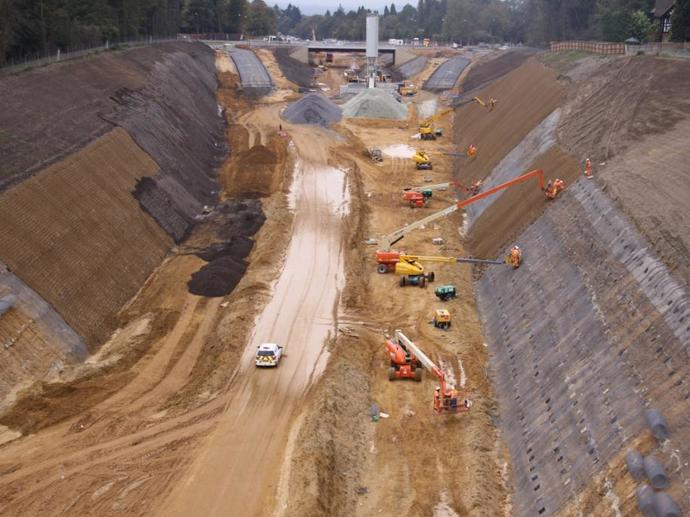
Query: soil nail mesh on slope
x,y
373,103
313,108
234,221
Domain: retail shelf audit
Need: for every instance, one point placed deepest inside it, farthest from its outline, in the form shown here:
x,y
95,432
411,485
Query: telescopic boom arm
x,y
389,240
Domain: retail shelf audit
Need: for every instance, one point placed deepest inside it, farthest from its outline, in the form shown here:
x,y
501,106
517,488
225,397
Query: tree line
x,y
29,27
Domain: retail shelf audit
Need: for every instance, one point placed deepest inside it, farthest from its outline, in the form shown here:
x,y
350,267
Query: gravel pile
x,y
374,103
313,108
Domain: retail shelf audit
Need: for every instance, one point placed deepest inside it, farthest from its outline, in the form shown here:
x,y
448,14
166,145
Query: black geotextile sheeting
x,y
234,223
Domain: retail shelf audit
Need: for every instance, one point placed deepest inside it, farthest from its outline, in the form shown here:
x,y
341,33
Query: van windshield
x,y
265,353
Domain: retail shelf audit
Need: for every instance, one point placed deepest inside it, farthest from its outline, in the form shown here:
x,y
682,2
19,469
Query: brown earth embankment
x,y
76,234
591,330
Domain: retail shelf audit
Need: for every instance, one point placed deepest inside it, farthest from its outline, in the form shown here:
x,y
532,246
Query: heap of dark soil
x,y
234,223
313,108
299,73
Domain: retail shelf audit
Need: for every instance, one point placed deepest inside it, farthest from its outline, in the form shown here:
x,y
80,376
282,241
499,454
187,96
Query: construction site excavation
x,y
273,280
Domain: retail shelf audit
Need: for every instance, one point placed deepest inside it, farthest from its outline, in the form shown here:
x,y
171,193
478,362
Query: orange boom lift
x,y
406,362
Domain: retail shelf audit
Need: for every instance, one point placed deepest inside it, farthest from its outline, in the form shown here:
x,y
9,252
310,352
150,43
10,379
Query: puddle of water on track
x,y
299,316
398,151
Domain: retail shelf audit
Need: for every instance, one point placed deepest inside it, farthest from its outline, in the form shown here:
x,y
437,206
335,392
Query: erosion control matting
x,y
313,108
573,374
446,75
374,103
233,222
412,67
299,73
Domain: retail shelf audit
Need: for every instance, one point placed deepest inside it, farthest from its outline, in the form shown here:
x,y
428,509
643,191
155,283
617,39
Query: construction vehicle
x,y
404,364
422,160
471,152
389,240
415,198
446,292
407,89
446,397
553,188
404,264
375,154
490,104
426,42
428,190
420,280
426,130
442,319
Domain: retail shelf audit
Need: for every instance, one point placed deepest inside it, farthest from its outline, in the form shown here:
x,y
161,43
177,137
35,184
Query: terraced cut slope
x,y
77,235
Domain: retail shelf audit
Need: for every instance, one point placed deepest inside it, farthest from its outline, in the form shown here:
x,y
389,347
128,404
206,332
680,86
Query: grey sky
x,y
320,6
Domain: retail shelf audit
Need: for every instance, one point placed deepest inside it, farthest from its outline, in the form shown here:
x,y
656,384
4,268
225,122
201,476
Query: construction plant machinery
x,y
426,128
407,361
389,260
423,162
418,197
551,191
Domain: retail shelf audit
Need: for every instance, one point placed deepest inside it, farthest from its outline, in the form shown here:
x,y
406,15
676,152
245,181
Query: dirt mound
x,y
259,155
313,108
299,73
481,74
255,172
234,222
373,103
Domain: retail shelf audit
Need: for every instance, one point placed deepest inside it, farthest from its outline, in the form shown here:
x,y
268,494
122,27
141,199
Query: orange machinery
x,y
407,359
551,191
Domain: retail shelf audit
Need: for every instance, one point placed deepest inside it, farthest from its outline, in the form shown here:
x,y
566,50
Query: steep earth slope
x,y
592,329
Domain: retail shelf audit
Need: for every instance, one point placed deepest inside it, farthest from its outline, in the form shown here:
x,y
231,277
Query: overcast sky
x,y
320,6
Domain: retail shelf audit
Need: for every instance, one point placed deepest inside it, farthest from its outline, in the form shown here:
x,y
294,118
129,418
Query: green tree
x,y
234,16
640,25
261,19
680,21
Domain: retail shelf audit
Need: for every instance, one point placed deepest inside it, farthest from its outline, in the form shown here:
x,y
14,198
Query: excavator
x,y
422,160
407,359
426,130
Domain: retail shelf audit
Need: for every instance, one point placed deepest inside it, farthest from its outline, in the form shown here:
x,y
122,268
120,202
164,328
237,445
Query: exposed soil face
x,y
481,74
76,234
623,101
72,98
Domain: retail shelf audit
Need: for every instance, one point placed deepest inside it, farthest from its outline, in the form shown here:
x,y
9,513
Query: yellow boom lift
x,y
426,129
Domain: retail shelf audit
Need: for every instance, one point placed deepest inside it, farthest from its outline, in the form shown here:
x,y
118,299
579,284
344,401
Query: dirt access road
x,y
241,460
